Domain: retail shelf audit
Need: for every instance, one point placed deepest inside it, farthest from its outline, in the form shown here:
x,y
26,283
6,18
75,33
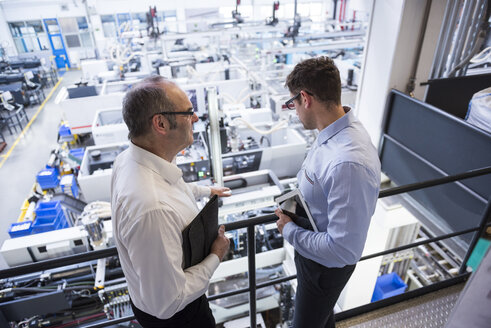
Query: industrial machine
x,y
94,177
108,127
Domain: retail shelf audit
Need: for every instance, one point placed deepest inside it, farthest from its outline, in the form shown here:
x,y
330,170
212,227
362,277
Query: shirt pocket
x,y
307,186
308,176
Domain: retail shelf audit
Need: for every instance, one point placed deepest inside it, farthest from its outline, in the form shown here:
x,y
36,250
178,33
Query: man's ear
x,y
159,124
306,98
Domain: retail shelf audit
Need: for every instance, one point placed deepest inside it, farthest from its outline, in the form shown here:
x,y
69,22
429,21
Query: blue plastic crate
x,y
77,152
64,131
19,229
49,223
388,285
69,185
48,209
48,178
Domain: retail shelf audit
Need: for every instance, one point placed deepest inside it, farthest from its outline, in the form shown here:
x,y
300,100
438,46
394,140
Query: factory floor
x,y
27,152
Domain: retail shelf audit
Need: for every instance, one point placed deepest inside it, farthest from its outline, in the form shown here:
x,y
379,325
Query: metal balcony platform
x,y
428,311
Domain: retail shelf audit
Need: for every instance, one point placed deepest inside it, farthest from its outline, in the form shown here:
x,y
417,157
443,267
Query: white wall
x,y
39,9
390,53
379,55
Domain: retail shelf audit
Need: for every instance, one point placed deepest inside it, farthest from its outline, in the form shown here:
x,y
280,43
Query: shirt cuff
x,y
204,191
211,263
288,231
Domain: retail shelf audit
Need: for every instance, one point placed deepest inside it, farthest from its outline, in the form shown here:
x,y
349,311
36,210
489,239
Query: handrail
x,y
250,225
93,255
434,182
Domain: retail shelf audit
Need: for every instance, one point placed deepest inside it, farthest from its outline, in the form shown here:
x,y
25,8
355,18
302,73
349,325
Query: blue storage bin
x,y
48,209
69,185
19,229
64,131
49,216
388,285
49,223
77,152
48,178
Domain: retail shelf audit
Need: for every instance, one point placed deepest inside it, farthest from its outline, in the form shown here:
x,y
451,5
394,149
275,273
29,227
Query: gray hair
x,y
143,101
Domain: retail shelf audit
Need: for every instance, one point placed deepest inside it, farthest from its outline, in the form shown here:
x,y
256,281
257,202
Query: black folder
x,y
200,234
299,217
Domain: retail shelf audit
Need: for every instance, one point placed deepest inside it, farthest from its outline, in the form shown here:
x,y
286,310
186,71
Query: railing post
x,y
485,218
251,255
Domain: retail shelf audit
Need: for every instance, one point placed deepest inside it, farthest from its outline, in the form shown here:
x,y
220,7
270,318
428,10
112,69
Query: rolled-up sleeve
x,y
351,192
154,247
199,191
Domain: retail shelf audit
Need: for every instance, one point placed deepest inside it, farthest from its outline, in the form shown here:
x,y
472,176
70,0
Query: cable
x,y
228,97
78,321
477,60
98,208
278,126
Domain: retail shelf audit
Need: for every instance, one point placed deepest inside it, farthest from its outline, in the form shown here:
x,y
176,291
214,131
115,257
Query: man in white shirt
x,y
151,205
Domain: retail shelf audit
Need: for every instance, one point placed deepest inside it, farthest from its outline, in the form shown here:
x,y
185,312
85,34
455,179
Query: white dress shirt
x,y
151,205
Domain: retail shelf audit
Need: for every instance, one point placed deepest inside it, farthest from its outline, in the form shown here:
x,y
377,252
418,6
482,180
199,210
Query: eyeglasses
x,y
289,103
189,112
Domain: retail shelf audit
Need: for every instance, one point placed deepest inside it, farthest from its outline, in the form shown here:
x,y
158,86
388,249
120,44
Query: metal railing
x,y
250,224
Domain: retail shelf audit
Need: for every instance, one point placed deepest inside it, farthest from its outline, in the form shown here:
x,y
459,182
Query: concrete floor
x,y
26,154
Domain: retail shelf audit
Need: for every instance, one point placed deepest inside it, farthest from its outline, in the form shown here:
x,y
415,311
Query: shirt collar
x,y
332,129
169,171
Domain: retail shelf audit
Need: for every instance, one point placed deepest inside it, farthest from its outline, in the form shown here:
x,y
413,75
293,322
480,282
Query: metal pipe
x,y
411,85
251,256
474,39
422,242
446,30
457,41
434,182
57,262
473,27
215,149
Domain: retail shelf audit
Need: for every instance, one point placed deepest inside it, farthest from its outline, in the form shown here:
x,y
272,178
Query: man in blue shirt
x,y
340,182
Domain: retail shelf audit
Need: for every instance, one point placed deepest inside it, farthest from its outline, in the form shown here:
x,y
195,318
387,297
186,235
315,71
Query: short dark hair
x,y
320,77
143,101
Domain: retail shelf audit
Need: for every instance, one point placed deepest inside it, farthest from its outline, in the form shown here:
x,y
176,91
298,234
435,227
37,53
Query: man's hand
x,y
283,219
221,244
221,191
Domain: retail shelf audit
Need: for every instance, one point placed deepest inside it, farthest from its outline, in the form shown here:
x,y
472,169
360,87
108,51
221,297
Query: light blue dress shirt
x,y
340,182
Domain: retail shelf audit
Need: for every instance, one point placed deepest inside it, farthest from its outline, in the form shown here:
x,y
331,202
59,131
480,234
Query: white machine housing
x,y
109,127
49,245
97,186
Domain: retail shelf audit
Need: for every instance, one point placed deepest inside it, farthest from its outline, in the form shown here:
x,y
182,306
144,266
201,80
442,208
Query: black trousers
x,y
318,290
196,314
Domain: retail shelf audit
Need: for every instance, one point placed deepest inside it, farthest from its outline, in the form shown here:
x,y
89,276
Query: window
x,y
109,26
167,21
29,36
73,41
84,32
53,27
76,32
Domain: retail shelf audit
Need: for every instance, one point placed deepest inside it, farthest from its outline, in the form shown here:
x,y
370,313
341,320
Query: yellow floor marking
x,y
6,156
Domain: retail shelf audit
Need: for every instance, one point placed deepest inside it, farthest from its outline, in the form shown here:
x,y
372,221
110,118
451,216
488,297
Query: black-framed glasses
x,y
189,112
289,103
